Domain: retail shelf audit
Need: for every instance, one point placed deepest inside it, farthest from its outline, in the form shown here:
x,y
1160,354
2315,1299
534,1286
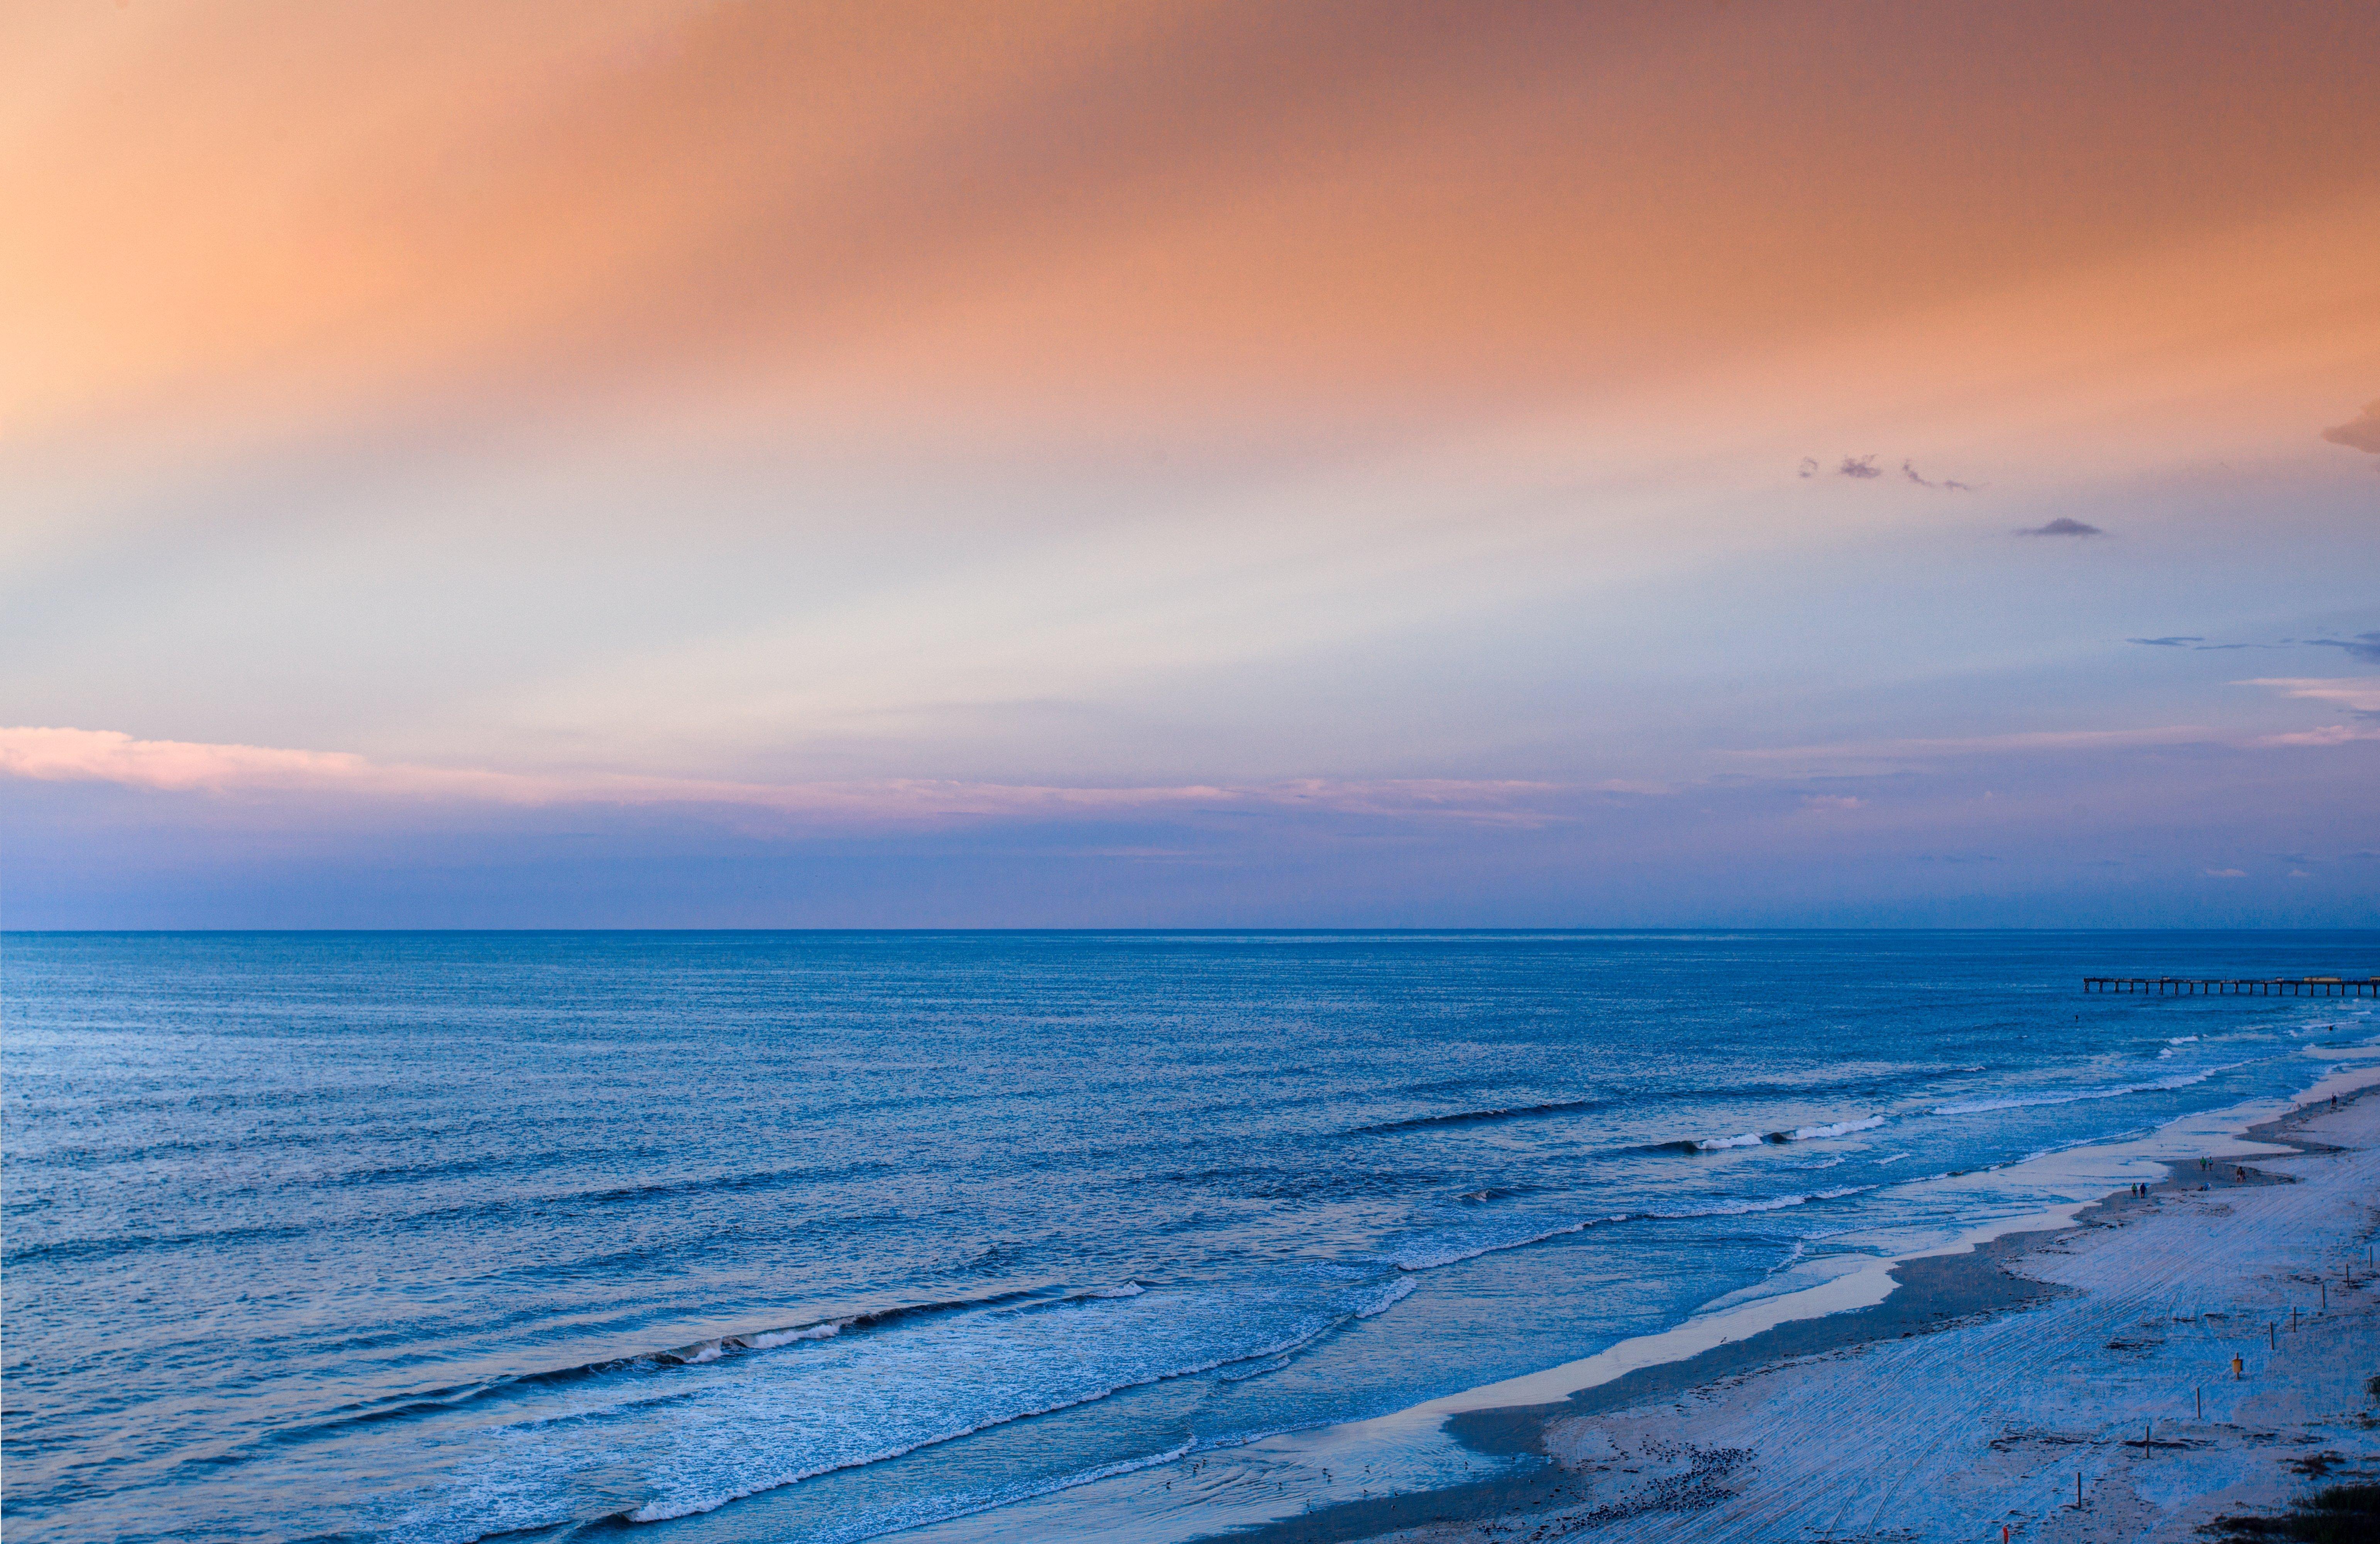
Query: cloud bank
x,y
179,766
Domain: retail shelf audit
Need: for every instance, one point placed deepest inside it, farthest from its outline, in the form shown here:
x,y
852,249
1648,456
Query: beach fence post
x,y
2078,1489
2202,1403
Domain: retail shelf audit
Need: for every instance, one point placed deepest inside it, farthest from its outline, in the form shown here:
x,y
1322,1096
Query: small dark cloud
x,y
2061,527
2362,646
1858,466
2195,644
1947,484
1809,466
2359,432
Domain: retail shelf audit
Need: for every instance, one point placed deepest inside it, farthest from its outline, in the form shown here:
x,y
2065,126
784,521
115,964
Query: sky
x,y
1206,465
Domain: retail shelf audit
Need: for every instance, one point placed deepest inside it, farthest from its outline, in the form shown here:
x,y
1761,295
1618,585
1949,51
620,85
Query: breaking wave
x,y
2073,1096
1755,1138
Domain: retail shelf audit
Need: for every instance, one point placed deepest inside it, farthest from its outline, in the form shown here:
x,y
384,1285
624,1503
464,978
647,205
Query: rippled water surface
x,y
818,1235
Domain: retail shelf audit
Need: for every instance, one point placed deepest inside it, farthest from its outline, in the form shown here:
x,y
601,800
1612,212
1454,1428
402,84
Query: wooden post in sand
x,y
2078,1489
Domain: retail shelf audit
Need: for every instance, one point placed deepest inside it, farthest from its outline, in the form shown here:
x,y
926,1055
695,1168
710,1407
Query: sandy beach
x,y
1989,1382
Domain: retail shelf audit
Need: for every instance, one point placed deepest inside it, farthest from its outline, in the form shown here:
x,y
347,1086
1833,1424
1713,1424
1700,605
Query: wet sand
x,y
1973,1395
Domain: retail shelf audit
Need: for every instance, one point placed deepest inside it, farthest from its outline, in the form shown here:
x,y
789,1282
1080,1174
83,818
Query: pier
x,y
2278,986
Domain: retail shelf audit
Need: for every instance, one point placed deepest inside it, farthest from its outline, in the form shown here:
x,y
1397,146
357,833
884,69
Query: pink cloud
x,y
1984,745
2358,694
107,756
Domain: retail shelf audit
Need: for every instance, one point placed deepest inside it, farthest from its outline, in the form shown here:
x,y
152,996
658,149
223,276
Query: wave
x,y
1755,1138
1840,1128
1480,1117
662,1510
432,1401
1844,1090
1455,1253
2073,1096
1773,1203
764,1339
925,1514
1259,1371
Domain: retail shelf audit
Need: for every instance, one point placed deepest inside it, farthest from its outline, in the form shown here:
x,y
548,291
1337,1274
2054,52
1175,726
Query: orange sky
x,y
1077,215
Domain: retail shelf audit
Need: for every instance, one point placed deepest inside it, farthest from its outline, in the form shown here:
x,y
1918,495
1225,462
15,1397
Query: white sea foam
x,y
2073,1096
1774,1203
769,1340
1840,1128
663,1508
1798,1134
1129,1289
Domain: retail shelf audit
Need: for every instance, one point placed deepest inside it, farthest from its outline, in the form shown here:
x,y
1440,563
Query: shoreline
x,y
1971,1283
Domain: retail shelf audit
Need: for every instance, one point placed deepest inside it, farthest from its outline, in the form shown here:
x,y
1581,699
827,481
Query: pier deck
x,y
2278,986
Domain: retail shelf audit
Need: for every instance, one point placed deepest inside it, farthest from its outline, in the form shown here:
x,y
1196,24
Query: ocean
x,y
767,1237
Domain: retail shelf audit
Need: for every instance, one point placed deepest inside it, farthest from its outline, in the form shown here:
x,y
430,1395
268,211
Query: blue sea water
x,y
742,1236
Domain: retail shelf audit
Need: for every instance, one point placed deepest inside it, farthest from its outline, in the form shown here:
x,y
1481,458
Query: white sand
x,y
1953,1434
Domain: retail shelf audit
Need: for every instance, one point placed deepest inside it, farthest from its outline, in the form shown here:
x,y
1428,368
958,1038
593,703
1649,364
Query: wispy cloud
x,y
2197,645
1864,468
2362,646
2359,432
2359,694
1986,745
1950,485
106,756
2062,526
